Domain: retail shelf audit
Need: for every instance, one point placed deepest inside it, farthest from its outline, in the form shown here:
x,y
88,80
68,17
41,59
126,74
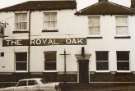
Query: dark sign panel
x,y
44,42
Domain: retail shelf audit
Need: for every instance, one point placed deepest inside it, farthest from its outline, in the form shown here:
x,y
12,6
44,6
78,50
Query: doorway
x,y
83,71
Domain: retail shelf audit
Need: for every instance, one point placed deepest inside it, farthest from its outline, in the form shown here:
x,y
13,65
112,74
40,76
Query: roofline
x,y
130,9
1,9
14,5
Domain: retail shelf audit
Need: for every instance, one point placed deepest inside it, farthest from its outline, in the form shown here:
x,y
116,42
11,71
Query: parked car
x,y
33,84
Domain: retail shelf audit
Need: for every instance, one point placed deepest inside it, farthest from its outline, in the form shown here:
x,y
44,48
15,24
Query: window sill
x,y
94,37
102,71
123,71
50,71
49,30
107,71
20,31
122,37
21,71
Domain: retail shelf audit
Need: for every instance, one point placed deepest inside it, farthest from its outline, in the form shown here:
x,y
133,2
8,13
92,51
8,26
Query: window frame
x,y
127,26
21,62
50,70
99,27
27,21
123,61
102,61
47,29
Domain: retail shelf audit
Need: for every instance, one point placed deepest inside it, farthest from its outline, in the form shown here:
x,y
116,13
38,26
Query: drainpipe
x,y
29,38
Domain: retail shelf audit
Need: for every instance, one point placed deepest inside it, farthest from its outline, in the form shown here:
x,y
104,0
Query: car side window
x,y
22,83
32,82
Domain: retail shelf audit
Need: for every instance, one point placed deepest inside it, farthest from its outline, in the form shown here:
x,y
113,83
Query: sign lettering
x,y
44,42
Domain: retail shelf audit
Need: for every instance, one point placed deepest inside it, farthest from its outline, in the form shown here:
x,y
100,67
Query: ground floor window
x,y
123,60
102,60
21,61
50,60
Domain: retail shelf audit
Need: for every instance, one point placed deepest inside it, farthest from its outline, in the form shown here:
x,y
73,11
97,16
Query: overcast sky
x,y
81,3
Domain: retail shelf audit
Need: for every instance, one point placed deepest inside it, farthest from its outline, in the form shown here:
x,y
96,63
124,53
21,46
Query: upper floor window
x,y
50,21
122,60
121,25
102,60
21,21
94,25
50,60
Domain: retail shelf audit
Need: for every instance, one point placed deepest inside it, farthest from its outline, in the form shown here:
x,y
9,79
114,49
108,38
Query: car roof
x,y
30,79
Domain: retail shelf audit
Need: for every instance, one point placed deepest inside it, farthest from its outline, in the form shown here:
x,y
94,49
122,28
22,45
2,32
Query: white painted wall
x,y
69,26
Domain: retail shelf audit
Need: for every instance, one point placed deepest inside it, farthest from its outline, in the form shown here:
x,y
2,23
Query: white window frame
x,y
99,27
44,25
121,71
127,26
96,62
22,71
27,20
44,61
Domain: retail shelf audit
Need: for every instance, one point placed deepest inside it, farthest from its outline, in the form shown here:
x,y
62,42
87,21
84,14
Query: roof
x,y
41,5
106,8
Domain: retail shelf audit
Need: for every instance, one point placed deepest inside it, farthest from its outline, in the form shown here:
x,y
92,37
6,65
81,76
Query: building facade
x,y
51,39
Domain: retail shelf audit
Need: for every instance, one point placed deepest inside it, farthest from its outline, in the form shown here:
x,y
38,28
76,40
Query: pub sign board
x,y
44,42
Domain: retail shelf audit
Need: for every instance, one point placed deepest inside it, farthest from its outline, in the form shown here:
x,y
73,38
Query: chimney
x,y
102,0
132,4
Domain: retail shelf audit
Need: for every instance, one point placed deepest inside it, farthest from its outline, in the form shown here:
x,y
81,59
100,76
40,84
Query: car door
x,y
22,86
32,85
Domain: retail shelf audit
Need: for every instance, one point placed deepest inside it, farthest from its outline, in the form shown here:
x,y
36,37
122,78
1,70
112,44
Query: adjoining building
x,y
51,39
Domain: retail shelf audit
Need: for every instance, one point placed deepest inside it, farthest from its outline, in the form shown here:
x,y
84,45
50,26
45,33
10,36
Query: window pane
x,y
122,30
94,21
21,66
123,65
101,55
94,30
21,56
121,21
102,65
50,60
123,55
21,16
50,66
51,55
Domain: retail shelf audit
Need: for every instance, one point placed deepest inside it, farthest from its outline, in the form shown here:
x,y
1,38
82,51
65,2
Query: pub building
x,y
54,40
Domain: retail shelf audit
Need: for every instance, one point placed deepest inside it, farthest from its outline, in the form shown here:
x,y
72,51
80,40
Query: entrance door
x,y
84,71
